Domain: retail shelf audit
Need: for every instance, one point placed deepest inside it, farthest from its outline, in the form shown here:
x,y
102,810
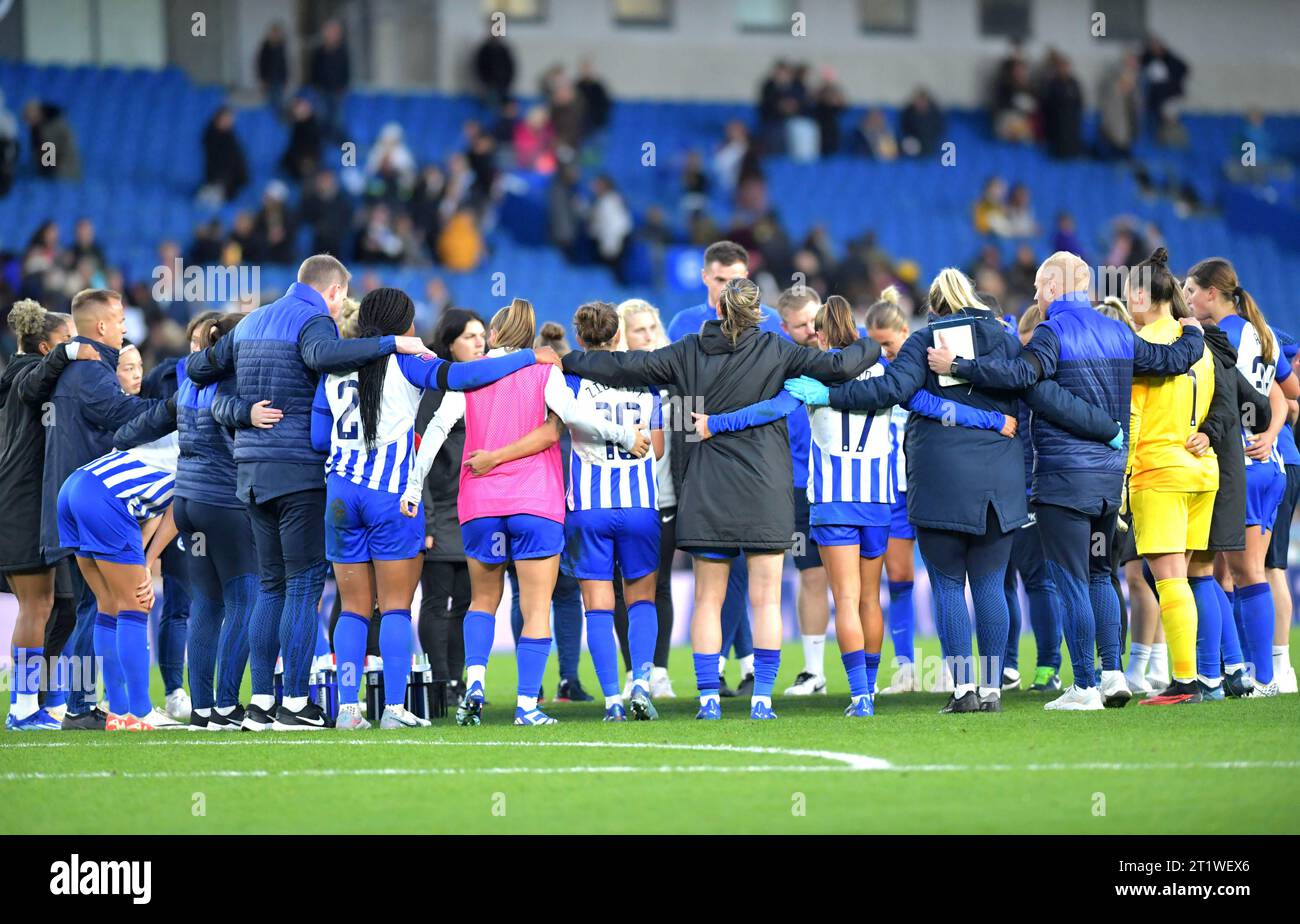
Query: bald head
x,y
1061,274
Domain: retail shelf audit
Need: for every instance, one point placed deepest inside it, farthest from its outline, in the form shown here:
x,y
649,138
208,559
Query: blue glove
x,y
808,390
1117,441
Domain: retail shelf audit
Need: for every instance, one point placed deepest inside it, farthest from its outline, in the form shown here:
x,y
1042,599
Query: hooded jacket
x,y
735,490
1234,398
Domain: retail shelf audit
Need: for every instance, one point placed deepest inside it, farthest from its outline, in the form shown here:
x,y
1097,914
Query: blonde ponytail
x,y
952,291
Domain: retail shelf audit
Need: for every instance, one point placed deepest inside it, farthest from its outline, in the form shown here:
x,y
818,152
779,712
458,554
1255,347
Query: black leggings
x,y
663,593
445,593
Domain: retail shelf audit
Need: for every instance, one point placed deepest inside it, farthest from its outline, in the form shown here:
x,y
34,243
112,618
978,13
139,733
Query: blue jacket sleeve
x,y
105,404
322,420
324,351
156,422
755,415
1036,361
936,408
230,410
216,362
902,379
1071,413
430,372
1168,359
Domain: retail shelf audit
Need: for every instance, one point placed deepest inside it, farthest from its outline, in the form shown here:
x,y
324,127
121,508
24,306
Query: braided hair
x,y
383,312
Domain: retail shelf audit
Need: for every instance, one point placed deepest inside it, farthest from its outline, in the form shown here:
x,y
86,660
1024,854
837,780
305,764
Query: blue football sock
x,y
298,627
952,621
706,672
1257,616
902,620
855,666
531,655
240,596
991,623
171,630
1235,599
767,661
1208,630
105,637
395,648
872,664
133,652
264,641
1105,610
1230,641
28,666
206,616
13,689
1045,619
1080,627
604,649
480,629
1011,654
642,636
350,634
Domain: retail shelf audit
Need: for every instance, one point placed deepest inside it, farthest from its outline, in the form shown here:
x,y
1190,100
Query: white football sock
x,y
526,703
295,703
814,654
476,673
1139,656
263,701
1159,666
746,666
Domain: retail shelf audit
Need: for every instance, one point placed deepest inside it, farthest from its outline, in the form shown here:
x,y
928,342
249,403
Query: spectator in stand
x,y
989,212
567,118
53,144
1020,277
1062,109
426,201
596,103
413,249
695,184
42,264
460,246
301,157
564,210
494,66
1118,106
828,111
1015,105
1164,78
481,153
1065,237
330,75
8,147
273,67
327,211
205,249
85,247
459,191
609,224
735,157
874,138
921,125
225,169
390,166
243,233
534,142
276,224
1019,213
379,242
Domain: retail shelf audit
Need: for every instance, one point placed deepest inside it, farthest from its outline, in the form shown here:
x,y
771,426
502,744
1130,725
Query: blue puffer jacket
x,y
1093,358
205,471
277,354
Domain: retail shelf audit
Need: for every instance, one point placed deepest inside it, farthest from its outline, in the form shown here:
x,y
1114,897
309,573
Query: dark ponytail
x,y
1153,277
383,312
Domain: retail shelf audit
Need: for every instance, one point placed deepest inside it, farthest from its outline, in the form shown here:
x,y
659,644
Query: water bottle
x,y
424,697
326,689
374,671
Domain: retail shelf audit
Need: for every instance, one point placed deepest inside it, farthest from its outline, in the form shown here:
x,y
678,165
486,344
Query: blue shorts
x,y
899,526
1265,485
95,524
493,540
594,539
1280,544
719,552
362,524
872,539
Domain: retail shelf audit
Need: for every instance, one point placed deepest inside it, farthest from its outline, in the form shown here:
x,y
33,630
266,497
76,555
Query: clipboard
x,y
958,335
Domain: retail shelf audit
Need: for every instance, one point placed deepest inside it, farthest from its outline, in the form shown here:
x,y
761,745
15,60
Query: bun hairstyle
x,y
1153,277
595,322
552,335
740,306
951,291
1111,307
835,320
887,312
349,327
515,325
1220,274
33,325
382,312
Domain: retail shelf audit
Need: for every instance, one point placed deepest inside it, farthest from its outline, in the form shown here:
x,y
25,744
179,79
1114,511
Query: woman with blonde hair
x,y
966,486
734,498
514,510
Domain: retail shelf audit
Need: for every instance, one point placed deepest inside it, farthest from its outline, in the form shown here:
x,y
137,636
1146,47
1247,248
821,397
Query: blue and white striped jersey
x,y
601,474
387,466
897,428
850,456
1250,361
142,478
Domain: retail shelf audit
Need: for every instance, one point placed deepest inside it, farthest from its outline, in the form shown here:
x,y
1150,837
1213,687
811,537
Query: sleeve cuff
x,y
388,344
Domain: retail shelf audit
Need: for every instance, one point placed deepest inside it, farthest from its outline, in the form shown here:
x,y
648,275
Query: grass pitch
x,y
1215,768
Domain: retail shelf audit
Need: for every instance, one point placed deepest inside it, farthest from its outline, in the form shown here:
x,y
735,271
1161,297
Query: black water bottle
x,y
374,688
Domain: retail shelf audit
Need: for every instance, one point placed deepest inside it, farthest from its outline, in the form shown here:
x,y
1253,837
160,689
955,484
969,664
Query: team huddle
x,y
1151,434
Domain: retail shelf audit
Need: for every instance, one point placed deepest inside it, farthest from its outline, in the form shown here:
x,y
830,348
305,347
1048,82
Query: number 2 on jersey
x,y
346,426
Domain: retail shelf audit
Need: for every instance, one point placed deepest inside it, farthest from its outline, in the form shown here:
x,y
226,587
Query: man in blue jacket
x,y
278,353
86,407
1077,484
723,262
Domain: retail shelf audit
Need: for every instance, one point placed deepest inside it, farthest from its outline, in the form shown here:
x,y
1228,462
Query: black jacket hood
x,y
714,342
1220,345
18,363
